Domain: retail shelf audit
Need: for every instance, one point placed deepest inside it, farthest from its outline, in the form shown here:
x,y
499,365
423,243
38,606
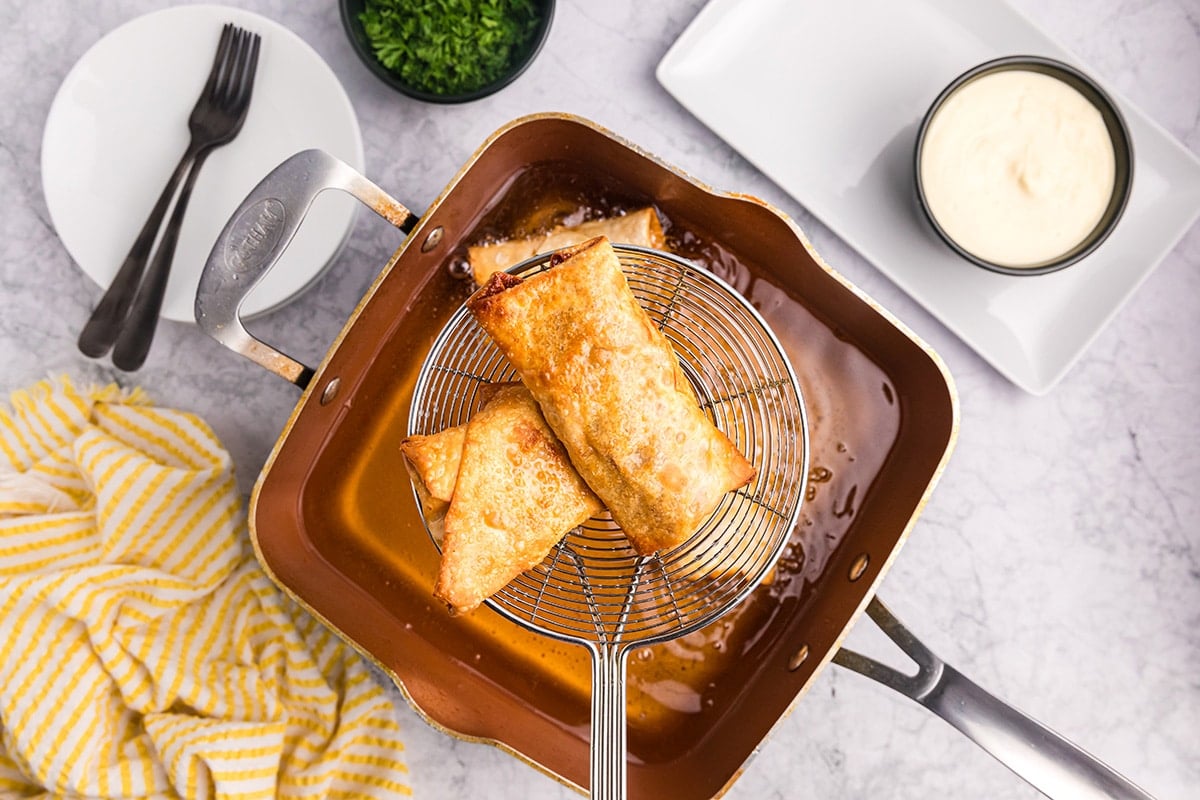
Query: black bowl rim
x,y
1118,132
362,49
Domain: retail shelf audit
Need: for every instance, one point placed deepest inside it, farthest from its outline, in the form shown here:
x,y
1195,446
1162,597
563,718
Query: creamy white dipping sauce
x,y
1017,167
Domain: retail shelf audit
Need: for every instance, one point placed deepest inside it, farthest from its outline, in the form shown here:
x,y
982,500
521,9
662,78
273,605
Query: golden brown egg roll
x,y
432,463
640,227
609,385
514,495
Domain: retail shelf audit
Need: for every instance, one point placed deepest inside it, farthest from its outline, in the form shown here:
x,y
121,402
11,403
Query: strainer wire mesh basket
x,y
593,588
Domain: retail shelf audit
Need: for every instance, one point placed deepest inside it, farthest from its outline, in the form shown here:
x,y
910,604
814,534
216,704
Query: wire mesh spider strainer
x,y
593,589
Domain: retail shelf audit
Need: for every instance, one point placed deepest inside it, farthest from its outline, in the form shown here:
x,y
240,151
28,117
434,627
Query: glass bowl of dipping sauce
x,y
1023,165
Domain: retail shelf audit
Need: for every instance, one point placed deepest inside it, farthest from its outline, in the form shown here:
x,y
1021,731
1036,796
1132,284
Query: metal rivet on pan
x,y
798,658
433,239
859,566
331,390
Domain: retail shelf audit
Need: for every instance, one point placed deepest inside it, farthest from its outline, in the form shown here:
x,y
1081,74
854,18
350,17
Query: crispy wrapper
x,y
609,385
513,497
640,227
432,463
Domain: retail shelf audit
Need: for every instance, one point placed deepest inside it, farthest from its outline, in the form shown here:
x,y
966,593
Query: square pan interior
x,y
334,522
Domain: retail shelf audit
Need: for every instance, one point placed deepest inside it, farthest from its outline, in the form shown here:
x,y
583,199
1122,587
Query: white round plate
x,y
118,126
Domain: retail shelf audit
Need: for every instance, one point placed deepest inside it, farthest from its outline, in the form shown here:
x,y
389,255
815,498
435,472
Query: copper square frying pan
x,y
334,522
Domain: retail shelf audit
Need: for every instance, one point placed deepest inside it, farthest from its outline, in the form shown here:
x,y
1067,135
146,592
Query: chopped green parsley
x,y
449,47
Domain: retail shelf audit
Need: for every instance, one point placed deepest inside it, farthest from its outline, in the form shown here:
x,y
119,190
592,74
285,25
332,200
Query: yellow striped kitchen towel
x,y
143,651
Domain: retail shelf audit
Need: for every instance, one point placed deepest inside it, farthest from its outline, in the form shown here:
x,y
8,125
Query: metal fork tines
x,y
127,314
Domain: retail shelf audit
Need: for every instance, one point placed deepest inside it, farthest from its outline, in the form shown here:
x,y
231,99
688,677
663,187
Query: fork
x,y
135,302
216,120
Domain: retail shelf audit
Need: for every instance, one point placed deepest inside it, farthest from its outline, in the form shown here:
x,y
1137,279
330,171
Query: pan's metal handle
x,y
258,233
1054,766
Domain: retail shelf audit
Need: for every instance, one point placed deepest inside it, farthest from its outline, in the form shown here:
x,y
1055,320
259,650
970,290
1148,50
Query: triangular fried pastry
x,y
516,495
610,387
432,463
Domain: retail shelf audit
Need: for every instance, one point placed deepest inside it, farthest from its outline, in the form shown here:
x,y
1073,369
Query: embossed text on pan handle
x,y
257,235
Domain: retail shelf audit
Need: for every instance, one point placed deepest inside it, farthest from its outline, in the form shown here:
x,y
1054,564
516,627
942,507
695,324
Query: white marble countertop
x,y
1058,562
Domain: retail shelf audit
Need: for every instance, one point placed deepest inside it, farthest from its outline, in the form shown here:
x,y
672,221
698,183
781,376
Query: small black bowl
x,y
1117,132
350,10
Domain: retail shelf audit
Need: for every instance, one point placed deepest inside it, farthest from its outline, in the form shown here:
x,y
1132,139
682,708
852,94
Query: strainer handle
x,y
1054,766
256,236
608,722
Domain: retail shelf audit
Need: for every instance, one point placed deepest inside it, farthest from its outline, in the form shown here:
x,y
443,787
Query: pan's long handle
x,y
1054,766
258,233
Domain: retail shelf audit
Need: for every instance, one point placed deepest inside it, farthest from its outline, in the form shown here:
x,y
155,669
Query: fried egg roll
x,y
609,385
513,497
432,463
640,227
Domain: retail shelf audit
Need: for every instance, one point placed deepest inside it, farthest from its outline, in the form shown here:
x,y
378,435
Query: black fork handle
x,y
137,332
102,327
